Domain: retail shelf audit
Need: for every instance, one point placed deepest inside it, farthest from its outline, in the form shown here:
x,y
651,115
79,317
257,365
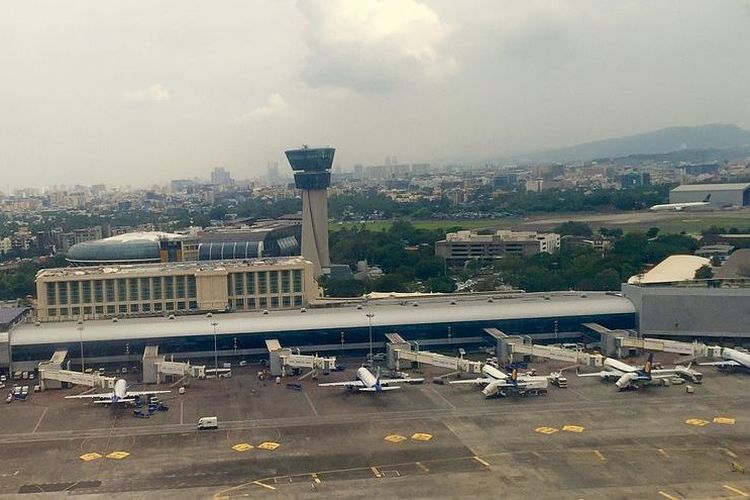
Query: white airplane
x,y
677,207
367,382
121,394
628,376
495,381
732,358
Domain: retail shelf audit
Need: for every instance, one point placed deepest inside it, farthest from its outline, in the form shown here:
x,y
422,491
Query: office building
x,y
459,247
157,289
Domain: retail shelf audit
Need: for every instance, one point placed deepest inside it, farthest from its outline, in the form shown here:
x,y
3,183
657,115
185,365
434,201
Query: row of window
x,y
121,290
251,303
263,282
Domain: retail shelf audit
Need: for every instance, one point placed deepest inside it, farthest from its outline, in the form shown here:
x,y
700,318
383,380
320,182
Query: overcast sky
x,y
141,92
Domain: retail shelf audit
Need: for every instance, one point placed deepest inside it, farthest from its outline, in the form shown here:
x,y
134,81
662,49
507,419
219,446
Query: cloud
x,y
155,93
275,106
374,45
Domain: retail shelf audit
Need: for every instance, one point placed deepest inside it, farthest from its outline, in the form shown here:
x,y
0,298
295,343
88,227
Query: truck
x,y
208,423
557,378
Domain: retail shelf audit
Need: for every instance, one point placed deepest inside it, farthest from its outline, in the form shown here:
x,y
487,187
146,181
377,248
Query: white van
x,y
208,423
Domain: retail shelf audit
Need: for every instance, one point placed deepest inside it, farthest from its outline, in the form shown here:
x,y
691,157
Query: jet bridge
x,y
155,366
52,375
619,343
282,360
401,356
512,347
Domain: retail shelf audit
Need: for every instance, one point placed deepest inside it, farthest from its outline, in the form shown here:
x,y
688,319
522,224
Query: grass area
x,y
694,223
382,225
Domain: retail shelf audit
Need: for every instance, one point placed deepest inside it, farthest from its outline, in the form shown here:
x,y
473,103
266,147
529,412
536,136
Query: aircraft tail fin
x,y
649,364
707,198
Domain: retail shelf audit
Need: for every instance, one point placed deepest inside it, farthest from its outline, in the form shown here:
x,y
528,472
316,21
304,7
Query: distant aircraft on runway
x,y
367,382
732,358
121,394
678,207
628,376
495,381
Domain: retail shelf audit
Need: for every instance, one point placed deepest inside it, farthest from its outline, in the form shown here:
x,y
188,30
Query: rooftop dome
x,y
130,247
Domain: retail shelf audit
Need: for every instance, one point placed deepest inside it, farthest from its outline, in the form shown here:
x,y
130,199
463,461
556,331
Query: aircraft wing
x,y
103,395
109,401
382,388
725,363
351,383
604,373
398,380
486,380
144,393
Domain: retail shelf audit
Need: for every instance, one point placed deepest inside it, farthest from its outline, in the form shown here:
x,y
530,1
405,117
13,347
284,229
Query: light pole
x,y
418,365
369,326
80,337
215,323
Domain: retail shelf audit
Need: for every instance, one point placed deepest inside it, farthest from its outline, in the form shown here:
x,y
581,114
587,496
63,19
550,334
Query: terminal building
x,y
462,246
96,292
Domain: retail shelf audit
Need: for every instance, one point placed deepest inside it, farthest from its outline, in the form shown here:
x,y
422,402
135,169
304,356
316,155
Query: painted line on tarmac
x,y
312,406
735,490
599,455
662,452
39,422
729,452
668,496
264,485
182,411
483,462
441,397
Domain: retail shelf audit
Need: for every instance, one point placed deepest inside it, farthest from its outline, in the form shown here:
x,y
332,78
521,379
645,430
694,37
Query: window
x,y
75,293
193,305
99,310
87,310
157,306
285,281
181,305
263,302
51,311
145,289
297,280
180,286
98,291
274,281
169,287
262,283
298,301
192,291
110,309
121,291
76,311
62,293
110,288
86,287
51,293
123,308
251,303
274,302
169,306
133,286
286,301
240,303
239,285
250,279
146,307
133,308
156,288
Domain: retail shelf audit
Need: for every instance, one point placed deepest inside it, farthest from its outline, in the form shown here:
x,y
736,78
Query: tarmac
x,y
424,441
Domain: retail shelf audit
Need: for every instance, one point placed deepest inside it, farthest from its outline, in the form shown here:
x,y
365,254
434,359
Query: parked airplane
x,y
495,381
732,358
682,206
121,394
628,376
367,382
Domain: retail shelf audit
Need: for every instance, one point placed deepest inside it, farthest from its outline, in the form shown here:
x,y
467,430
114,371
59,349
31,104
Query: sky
x,y
141,92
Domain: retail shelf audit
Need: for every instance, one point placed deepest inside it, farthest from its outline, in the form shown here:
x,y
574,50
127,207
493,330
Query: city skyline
x,y
138,94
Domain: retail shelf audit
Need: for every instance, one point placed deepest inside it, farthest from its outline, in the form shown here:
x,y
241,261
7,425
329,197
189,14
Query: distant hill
x,y
666,140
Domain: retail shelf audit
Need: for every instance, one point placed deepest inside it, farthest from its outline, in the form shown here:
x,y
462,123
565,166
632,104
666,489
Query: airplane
x,y
628,376
495,381
367,382
732,358
121,394
677,207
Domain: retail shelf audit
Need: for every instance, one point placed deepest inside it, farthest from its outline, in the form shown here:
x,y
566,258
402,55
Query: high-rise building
x,y
221,177
312,174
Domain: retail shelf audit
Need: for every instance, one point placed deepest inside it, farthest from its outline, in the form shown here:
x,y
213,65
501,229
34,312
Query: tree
x,y
704,272
440,285
715,261
574,228
344,288
390,283
652,232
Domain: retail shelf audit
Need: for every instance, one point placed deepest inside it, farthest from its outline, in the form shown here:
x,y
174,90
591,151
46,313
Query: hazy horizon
x,y
140,93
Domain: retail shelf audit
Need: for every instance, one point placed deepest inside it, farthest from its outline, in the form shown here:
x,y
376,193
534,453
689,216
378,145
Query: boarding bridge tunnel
x,y
52,375
155,366
282,360
512,347
401,355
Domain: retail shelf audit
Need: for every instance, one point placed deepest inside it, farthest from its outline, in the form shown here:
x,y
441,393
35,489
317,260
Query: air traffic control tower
x,y
312,174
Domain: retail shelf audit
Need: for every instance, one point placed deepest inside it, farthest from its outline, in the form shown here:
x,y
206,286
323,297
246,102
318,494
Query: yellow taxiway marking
x,y
376,471
545,430
421,436
264,485
316,478
667,495
735,490
483,462
118,455
724,420
88,457
729,452
599,455
572,428
697,421
422,466
395,438
242,447
268,445
663,453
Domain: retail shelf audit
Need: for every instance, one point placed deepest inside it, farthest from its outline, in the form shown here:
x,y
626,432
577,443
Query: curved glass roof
x,y
108,250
